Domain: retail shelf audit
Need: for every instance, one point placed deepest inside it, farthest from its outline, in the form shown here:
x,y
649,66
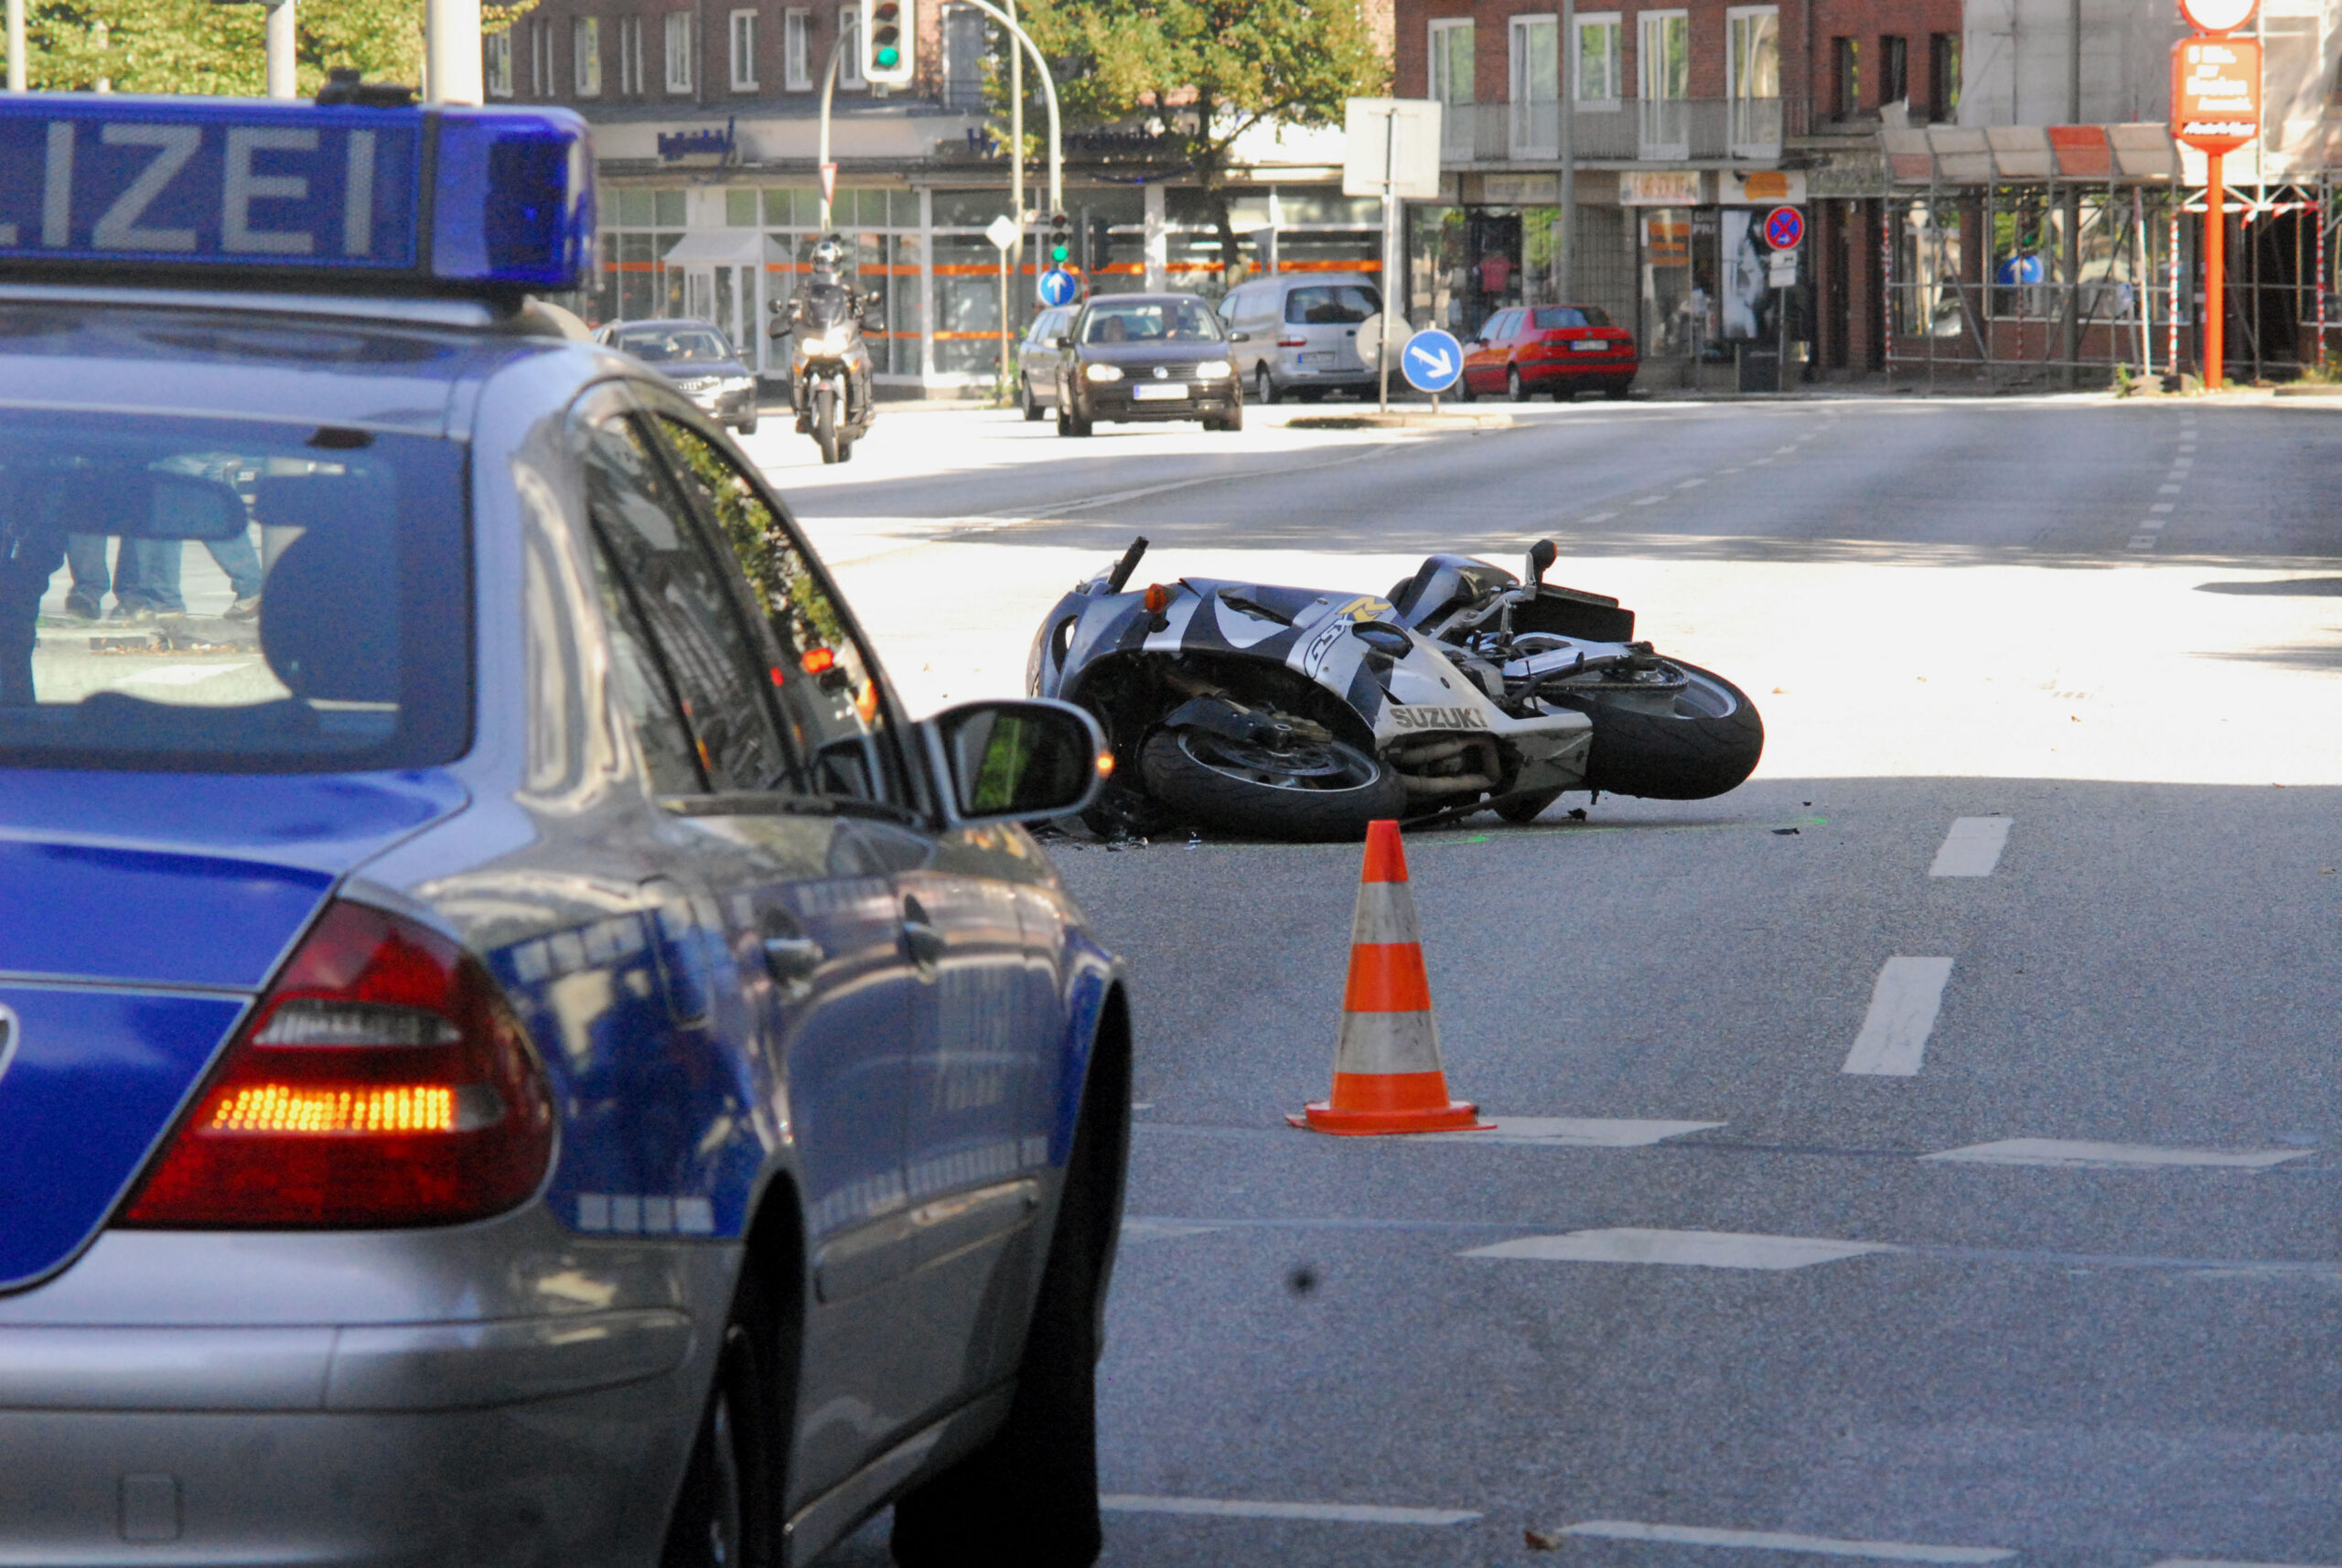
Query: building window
x,y
631,56
963,58
1894,69
586,55
1663,40
499,64
678,51
743,51
797,50
1943,76
1601,67
541,57
1845,78
1753,78
1536,86
850,60
1451,83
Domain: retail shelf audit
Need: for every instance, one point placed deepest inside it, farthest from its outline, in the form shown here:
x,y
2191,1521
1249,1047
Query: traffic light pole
x,y
848,21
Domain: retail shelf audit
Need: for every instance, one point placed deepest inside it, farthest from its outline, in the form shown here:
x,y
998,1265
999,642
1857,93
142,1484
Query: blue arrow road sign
x,y
1432,361
1060,287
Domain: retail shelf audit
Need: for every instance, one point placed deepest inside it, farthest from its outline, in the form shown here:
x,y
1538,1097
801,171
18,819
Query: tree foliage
x,y
1203,73
200,47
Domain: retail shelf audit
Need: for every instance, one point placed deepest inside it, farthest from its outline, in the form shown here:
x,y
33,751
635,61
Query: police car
x,y
516,1051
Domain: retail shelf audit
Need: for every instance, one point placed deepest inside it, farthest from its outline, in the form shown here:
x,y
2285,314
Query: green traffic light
x,y
888,57
1057,252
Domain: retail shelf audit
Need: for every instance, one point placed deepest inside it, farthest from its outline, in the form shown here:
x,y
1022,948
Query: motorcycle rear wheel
x,y
1315,791
1688,745
825,422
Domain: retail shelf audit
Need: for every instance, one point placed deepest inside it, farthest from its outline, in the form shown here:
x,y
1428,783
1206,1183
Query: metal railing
x,y
1660,130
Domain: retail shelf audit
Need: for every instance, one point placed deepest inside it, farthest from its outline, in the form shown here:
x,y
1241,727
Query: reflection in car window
x,y
680,597
675,346
1152,321
828,688
668,750
281,596
1334,304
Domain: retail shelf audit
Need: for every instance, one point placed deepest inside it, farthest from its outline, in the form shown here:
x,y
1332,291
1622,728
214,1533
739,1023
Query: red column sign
x,y
2216,109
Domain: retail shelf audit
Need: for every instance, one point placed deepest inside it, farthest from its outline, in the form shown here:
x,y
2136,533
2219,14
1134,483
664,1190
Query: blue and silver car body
x,y
793,1034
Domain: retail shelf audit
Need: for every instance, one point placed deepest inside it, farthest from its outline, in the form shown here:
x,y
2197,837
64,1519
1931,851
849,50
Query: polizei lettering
x,y
1438,718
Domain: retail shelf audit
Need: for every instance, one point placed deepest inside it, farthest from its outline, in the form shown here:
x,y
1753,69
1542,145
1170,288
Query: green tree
x,y
1203,73
199,46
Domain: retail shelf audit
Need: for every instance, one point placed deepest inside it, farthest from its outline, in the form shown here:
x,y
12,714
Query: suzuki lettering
x,y
1432,361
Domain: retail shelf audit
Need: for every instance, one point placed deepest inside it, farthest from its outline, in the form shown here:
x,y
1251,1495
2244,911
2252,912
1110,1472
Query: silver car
x,y
1037,359
520,1054
1296,333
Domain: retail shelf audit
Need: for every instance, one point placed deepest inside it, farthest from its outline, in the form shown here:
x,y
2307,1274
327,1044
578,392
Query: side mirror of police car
x,y
1016,761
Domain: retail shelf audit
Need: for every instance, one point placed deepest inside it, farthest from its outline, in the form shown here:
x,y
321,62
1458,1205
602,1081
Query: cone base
x,y
1459,1116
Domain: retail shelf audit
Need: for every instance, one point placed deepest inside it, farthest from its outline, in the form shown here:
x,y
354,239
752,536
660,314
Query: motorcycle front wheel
x,y
826,422
1699,740
1310,791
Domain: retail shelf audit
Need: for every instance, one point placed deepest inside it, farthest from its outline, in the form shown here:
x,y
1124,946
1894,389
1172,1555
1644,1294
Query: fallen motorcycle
x,y
1295,713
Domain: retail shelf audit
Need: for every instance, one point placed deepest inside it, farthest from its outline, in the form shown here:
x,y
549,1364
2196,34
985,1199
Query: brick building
x,y
704,116
1690,121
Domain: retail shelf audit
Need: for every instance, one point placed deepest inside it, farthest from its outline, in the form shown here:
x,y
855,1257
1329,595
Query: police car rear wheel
x,y
726,1514
1029,1495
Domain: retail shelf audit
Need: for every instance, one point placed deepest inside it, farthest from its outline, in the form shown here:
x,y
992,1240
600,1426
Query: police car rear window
x,y
230,596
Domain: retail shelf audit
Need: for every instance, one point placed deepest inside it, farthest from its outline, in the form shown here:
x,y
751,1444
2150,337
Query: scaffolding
x,y
2034,257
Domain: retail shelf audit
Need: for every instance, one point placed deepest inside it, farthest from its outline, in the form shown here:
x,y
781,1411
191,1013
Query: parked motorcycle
x,y
829,362
1295,713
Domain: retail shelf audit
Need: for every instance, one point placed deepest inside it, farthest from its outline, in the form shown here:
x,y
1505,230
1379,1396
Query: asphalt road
x,y
2067,1292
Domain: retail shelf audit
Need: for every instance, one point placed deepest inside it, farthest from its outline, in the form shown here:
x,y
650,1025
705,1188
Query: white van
x,y
1297,332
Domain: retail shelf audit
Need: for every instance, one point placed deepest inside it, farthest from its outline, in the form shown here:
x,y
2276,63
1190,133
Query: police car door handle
x,y
793,959
925,942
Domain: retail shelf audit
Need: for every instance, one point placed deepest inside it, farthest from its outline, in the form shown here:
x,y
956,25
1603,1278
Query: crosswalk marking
x,y
1903,1006
1690,1249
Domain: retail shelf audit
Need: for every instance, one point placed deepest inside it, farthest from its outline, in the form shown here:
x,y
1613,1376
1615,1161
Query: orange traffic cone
x,y
1387,1077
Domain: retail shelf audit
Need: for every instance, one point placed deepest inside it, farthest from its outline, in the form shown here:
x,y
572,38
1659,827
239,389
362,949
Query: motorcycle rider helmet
x,y
829,257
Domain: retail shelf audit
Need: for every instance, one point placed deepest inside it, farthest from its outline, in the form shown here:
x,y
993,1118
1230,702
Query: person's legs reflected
x,y
147,577
85,553
237,558
26,563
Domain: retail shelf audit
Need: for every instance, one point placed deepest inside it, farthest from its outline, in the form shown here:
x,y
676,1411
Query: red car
x,y
1560,349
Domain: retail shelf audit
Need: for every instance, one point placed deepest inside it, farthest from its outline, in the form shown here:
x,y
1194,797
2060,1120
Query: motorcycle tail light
x,y
383,1081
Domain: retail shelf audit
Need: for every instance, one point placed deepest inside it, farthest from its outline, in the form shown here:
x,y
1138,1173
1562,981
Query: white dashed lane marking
x,y
2223,1563
1903,1006
2163,506
1972,848
1777,1540
1687,1249
2073,1155
1331,1513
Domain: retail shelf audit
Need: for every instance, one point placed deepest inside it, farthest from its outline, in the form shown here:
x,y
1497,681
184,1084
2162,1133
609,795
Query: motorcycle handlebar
x,y
1126,566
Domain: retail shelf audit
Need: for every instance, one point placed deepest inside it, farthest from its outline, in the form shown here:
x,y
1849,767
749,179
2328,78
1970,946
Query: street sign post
x,y
2216,109
1004,232
1060,287
1784,228
1392,150
1431,360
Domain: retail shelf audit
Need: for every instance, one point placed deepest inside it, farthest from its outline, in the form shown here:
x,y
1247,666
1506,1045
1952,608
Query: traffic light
x,y
1101,245
1060,243
887,29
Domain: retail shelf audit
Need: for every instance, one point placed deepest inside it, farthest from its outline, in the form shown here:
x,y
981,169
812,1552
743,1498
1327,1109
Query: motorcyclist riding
x,y
826,317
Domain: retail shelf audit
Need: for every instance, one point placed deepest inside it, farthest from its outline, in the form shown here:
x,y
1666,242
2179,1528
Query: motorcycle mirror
x,y
1541,560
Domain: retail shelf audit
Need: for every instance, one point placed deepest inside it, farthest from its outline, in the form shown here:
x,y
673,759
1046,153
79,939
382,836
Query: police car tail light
x,y
383,1081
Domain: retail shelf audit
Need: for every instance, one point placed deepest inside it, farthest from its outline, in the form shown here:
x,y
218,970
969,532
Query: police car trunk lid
x,y
139,915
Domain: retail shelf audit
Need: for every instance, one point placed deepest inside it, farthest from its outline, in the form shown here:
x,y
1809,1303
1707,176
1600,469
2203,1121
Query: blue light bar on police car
x,y
120,189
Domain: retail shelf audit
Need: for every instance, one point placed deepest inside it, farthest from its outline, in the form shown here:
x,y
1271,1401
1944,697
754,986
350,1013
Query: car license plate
x,y
1325,358
1587,346
1159,392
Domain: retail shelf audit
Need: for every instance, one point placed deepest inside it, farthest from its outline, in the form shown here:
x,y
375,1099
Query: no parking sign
x,y
1784,228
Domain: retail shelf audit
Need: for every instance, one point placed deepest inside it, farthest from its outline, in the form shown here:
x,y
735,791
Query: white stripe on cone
x,y
1386,913
1386,1042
